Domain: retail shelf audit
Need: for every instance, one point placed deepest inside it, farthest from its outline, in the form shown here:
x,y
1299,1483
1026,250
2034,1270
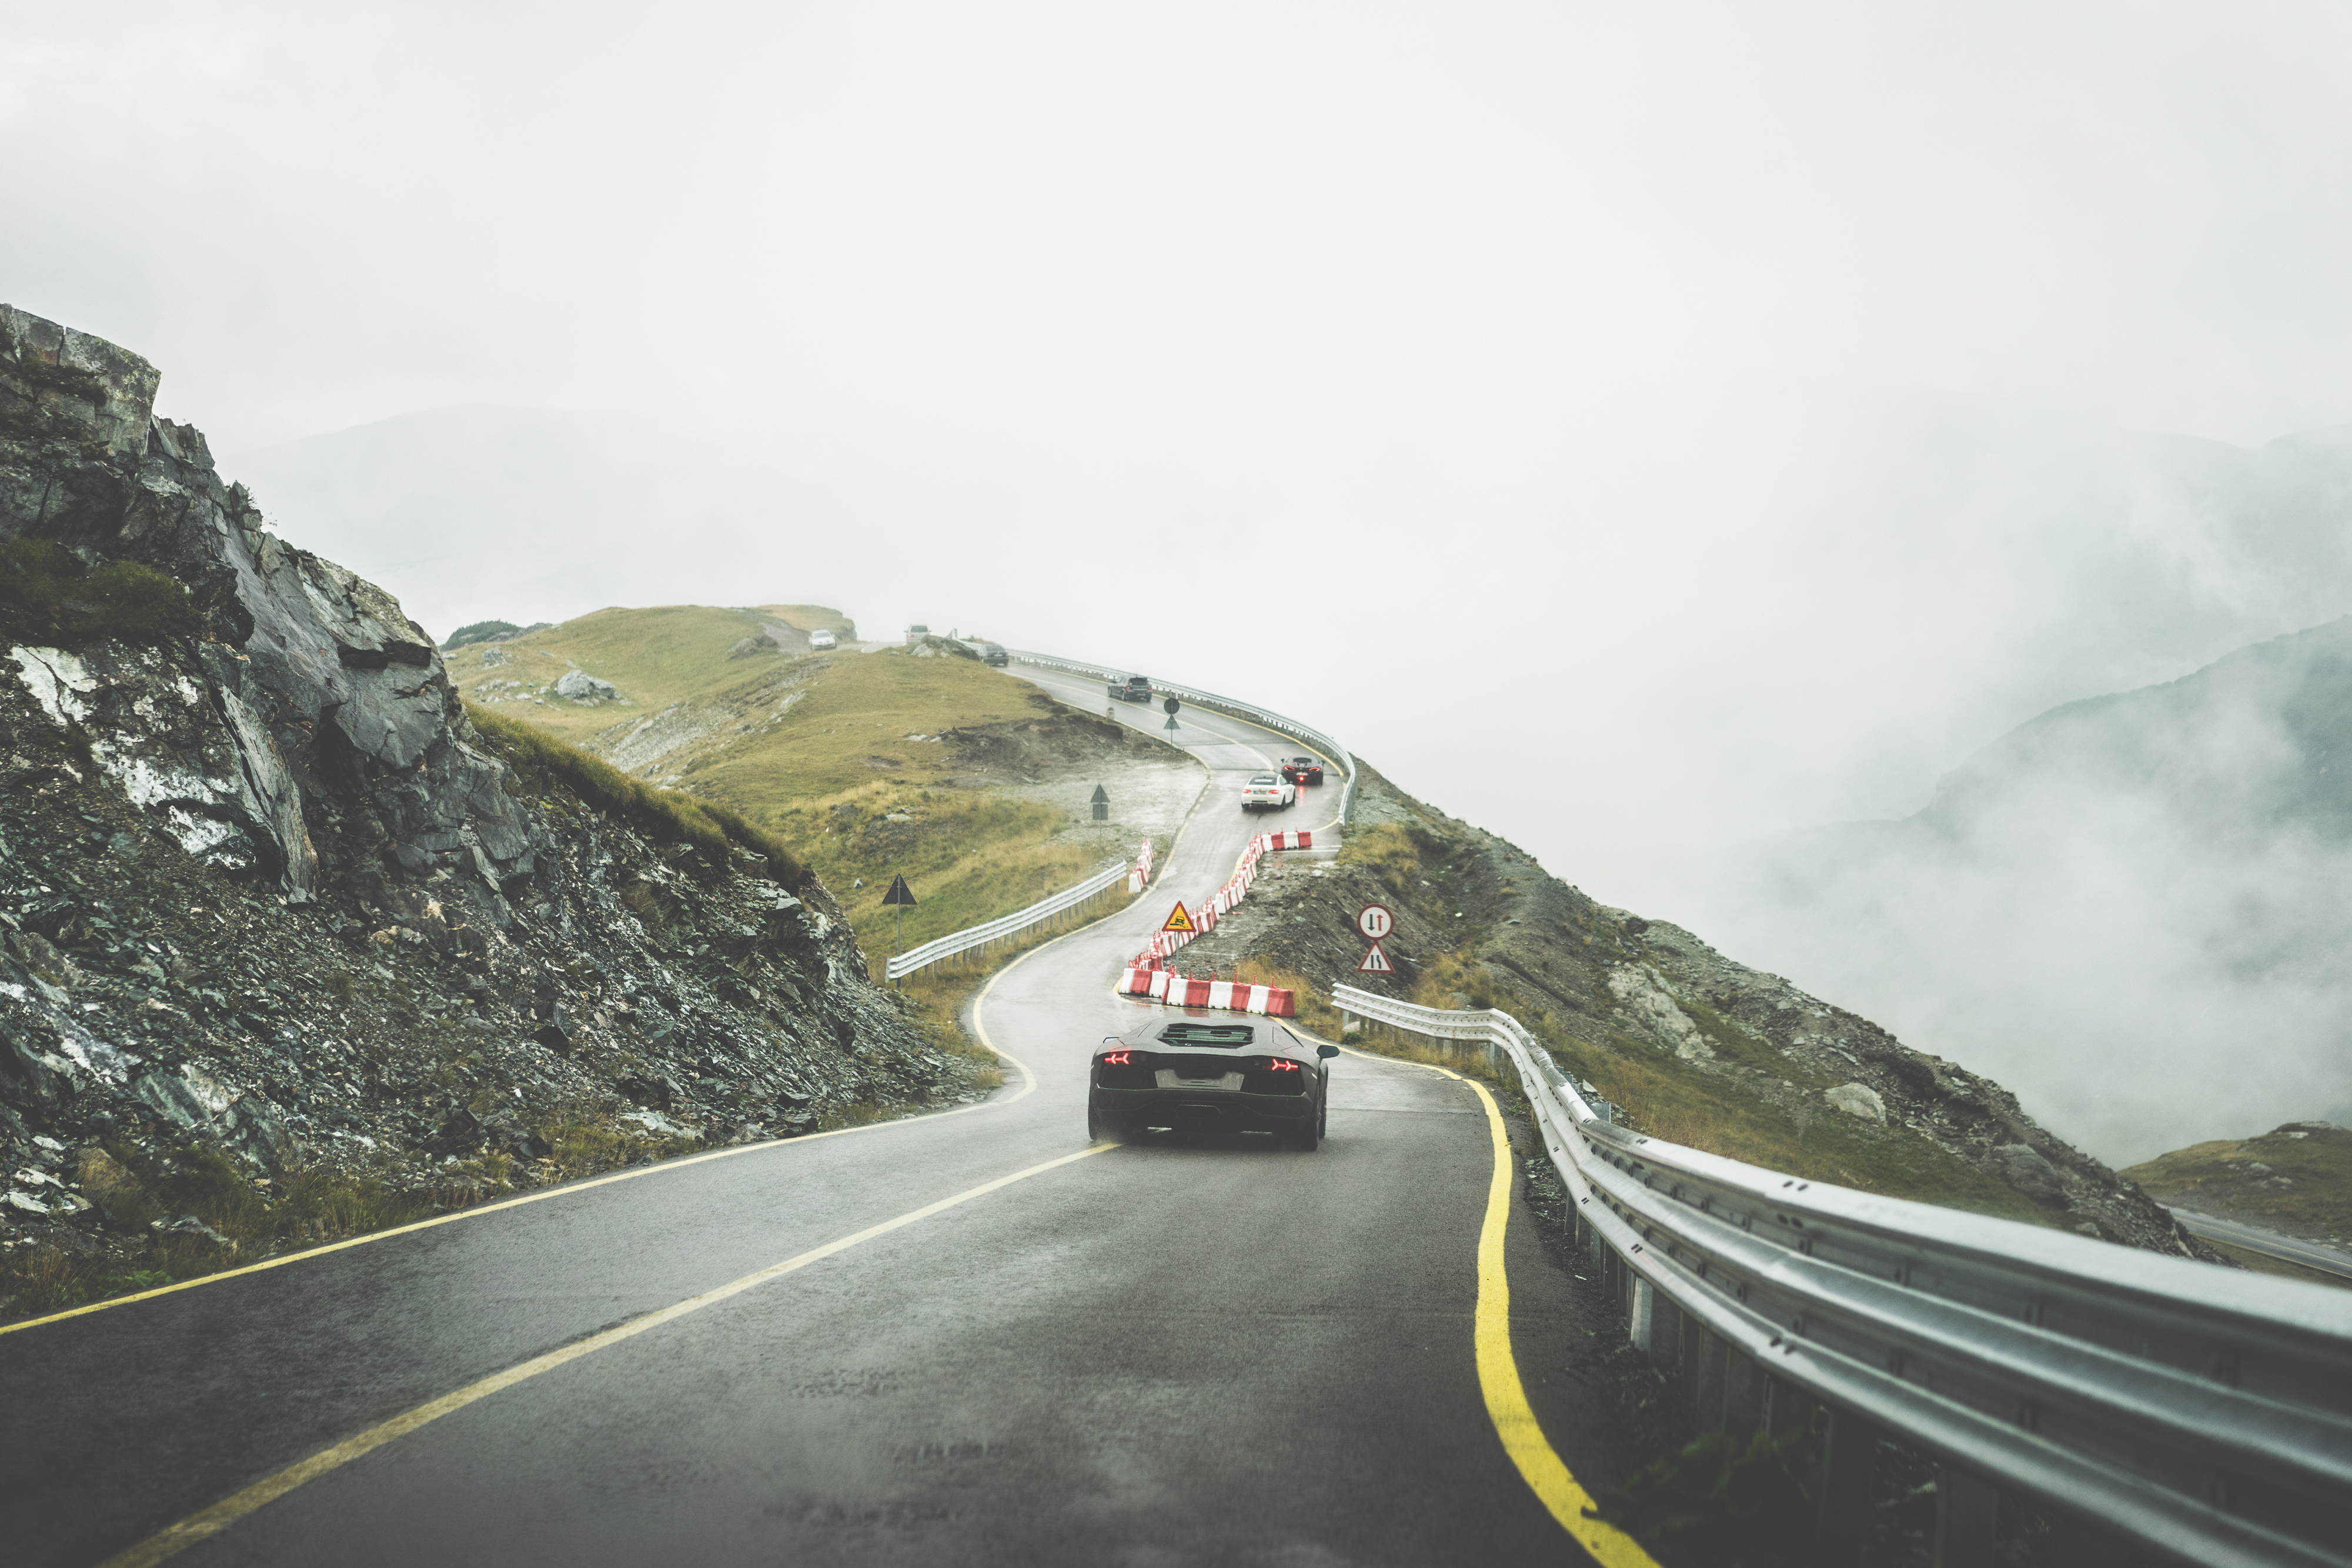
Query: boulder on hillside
x,y
581,686
488,631
760,643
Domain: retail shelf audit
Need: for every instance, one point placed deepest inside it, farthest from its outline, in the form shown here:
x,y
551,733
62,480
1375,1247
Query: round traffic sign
x,y
1375,920
1172,705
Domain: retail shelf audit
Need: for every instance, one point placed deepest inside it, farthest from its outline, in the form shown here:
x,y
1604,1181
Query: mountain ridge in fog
x,y
2130,907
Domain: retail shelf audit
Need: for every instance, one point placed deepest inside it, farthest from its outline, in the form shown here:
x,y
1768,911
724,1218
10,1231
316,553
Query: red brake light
x,y
1118,1059
1279,1065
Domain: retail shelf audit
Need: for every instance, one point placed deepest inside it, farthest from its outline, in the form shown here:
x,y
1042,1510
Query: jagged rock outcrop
x,y
313,702
264,887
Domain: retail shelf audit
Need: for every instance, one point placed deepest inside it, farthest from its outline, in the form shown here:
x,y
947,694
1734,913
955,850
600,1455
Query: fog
x,y
1646,432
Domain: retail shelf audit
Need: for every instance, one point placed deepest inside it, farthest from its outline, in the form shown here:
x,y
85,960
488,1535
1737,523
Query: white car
x,y
820,641
1265,792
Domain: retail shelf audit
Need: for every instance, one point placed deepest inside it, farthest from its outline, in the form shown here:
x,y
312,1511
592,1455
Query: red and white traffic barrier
x,y
1149,976
1233,996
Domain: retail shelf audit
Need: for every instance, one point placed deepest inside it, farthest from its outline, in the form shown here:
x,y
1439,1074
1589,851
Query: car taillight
x,y
1278,1064
1117,1058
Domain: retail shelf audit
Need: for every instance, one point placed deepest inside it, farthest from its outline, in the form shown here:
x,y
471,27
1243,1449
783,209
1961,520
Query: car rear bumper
x,y
1214,1110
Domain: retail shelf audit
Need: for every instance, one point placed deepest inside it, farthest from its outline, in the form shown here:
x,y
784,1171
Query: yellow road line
x,y
660,1167
1546,1473
207,1522
1506,1397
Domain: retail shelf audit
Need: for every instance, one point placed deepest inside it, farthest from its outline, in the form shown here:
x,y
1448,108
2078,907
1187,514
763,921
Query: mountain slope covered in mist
x,y
2131,908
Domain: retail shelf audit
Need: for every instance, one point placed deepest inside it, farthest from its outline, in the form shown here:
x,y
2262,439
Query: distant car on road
x,y
821,641
915,634
993,654
1302,770
1191,1075
1134,689
1265,792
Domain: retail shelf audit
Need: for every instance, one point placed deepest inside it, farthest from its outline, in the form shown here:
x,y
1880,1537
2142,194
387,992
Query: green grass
x,y
673,653
46,596
2306,1189
298,1208
1669,1099
294,1209
813,752
814,618
1664,1097
539,761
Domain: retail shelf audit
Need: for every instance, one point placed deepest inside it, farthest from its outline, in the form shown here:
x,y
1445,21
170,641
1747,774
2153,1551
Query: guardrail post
x,y
1667,1325
1849,1461
1706,1380
1743,1393
1639,1318
1787,1408
1967,1514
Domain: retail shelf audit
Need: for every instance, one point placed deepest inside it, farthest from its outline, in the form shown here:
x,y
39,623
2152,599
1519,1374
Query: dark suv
x,y
993,654
1134,689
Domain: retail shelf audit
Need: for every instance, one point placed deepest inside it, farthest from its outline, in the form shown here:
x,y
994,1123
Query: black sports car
x,y
1302,770
1190,1075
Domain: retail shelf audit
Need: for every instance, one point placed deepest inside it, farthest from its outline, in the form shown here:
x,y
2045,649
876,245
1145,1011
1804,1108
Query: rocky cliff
x,y
272,904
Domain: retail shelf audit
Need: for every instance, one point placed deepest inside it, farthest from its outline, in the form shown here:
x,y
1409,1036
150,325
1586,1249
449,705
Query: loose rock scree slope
x,y
278,918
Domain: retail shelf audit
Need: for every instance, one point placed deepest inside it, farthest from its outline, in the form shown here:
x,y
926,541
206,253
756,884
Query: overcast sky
x,y
1370,359
999,232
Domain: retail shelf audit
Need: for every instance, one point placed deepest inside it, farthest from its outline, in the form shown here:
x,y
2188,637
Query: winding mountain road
x,y
969,1337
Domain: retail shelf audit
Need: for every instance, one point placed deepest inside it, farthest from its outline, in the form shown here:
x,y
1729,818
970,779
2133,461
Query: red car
x,y
1301,770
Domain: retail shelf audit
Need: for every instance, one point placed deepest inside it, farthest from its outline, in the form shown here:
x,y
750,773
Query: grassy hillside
x,y
868,765
2296,1178
1692,1046
814,618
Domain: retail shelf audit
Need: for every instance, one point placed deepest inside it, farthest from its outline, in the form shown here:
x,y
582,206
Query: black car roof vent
x,y
1225,1034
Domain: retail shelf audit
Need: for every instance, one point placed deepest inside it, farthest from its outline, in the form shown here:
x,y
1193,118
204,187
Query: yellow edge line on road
x,y
1506,1397
1539,1464
659,1167
177,1538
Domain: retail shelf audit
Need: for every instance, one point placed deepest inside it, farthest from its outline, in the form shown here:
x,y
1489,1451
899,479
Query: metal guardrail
x,y
901,964
2202,1415
1215,704
2269,1243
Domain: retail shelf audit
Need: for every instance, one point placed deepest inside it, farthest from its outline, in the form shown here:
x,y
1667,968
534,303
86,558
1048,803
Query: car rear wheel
x,y
1105,1128
1310,1134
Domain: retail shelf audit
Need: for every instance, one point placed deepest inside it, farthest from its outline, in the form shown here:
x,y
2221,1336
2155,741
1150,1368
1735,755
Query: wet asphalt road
x,y
1157,1354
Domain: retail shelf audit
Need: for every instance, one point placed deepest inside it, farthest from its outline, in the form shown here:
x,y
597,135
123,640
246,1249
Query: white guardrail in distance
x,y
901,964
1215,704
2201,1415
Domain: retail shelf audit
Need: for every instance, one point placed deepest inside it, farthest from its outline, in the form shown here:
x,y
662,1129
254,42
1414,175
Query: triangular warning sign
x,y
899,893
1376,962
1178,920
